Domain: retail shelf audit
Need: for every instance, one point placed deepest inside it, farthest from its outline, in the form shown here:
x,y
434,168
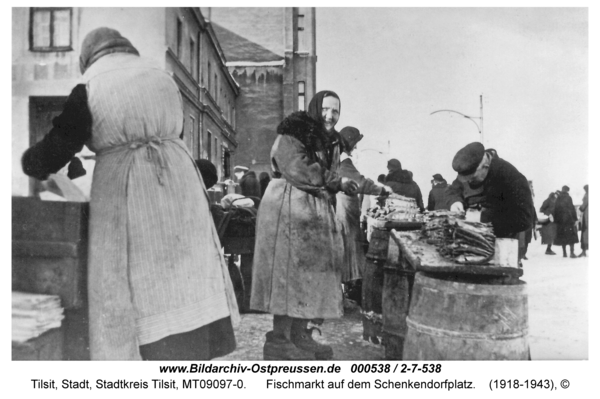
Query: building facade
x,y
271,53
45,61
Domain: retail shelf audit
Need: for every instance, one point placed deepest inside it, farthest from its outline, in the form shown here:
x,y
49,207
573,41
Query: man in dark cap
x,y
437,195
506,197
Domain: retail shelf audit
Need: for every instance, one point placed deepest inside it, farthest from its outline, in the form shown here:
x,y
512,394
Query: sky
x,y
393,67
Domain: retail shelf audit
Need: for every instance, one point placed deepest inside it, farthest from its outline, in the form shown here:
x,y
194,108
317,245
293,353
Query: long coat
x,y
155,267
506,198
348,214
437,198
402,183
585,222
565,217
548,231
298,251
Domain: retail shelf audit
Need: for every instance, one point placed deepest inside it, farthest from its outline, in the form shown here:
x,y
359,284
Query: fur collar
x,y
301,126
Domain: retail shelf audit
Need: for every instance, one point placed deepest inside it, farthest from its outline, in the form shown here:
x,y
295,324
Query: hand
x,y
349,186
551,218
457,207
386,190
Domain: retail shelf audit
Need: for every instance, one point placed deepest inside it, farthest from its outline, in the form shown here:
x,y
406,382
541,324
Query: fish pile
x,y
462,241
395,208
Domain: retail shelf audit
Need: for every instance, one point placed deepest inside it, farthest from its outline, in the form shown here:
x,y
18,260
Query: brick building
x,y
45,61
271,53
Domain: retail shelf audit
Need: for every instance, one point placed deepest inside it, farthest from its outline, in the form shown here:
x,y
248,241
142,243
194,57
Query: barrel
x,y
398,279
457,319
372,285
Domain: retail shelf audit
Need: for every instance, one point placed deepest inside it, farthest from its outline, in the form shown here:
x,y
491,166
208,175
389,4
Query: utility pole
x,y
481,116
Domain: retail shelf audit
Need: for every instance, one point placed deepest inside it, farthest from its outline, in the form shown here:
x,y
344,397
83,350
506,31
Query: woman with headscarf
x,y
154,292
565,217
298,251
348,206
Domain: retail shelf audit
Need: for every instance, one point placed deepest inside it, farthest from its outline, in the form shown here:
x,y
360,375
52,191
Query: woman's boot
x,y
302,337
564,247
573,251
549,250
278,345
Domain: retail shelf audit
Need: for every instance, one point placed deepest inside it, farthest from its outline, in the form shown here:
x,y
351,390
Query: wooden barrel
x,y
372,285
462,320
398,278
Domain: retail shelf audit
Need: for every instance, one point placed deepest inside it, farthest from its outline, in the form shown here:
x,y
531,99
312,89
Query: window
x,y
209,146
192,56
179,38
216,151
301,96
226,164
208,83
50,29
216,83
192,136
300,22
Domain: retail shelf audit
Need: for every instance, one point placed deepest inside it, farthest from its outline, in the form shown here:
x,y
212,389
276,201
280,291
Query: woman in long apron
x,y
158,286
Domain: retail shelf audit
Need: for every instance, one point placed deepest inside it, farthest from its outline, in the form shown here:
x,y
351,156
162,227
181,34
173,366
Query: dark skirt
x,y
566,234
207,342
548,233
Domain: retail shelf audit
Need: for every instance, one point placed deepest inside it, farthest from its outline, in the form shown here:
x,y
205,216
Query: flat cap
x,y
238,167
467,159
350,136
438,177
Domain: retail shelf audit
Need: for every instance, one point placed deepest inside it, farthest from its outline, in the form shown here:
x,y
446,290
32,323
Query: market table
x,y
437,309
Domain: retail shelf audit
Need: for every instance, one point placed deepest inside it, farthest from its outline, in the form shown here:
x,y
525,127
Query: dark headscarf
x,y
100,42
208,172
315,110
315,107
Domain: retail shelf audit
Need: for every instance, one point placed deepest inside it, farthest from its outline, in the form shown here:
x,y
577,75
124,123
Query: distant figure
x,y
437,196
525,237
402,183
548,231
263,179
208,171
249,184
381,178
565,216
584,223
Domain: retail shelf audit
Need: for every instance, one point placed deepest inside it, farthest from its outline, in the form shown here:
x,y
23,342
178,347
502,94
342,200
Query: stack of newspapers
x,y
34,314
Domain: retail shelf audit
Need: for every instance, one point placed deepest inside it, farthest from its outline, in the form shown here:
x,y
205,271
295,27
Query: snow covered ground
x,y
558,304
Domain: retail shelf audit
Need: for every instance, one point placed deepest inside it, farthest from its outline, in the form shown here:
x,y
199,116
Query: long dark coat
x,y
506,198
565,217
548,231
401,182
437,198
585,222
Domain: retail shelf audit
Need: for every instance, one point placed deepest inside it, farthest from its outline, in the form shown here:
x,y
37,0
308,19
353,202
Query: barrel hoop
x,y
439,332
